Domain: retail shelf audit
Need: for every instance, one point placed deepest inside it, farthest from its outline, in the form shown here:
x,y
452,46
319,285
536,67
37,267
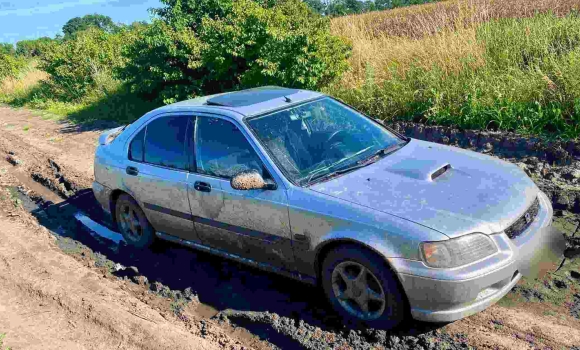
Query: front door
x,y
253,224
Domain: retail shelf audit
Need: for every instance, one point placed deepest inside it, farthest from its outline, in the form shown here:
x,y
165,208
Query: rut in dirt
x,y
286,313
289,314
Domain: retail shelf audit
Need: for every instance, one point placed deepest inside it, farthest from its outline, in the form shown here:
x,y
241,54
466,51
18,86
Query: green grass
x,y
510,74
117,107
14,197
2,336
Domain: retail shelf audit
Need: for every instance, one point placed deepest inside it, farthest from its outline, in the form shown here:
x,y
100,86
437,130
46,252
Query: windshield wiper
x,y
360,164
381,153
316,172
331,174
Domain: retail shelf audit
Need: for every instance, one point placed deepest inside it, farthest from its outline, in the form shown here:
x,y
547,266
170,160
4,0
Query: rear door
x,y
253,224
157,171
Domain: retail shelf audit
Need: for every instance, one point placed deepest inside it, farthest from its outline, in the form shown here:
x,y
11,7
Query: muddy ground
x,y
103,294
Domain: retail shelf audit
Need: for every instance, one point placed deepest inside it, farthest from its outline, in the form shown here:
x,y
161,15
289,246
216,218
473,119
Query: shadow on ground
x,y
217,282
117,108
89,113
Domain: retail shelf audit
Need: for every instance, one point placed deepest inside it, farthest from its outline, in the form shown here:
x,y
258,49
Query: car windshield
x,y
320,138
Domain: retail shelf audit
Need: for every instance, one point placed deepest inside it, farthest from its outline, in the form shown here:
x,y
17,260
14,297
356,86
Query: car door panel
x,y
162,192
252,224
206,208
261,218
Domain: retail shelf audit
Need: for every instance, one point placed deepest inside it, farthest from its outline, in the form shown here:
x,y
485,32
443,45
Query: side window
x,y
222,150
165,142
136,147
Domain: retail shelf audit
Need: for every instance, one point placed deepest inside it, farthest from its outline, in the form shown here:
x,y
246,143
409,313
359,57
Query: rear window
x,y
136,147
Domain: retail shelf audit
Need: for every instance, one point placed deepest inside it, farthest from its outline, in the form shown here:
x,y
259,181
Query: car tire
x,y
132,223
345,272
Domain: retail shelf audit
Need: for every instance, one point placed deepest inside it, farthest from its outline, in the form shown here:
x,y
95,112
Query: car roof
x,y
245,103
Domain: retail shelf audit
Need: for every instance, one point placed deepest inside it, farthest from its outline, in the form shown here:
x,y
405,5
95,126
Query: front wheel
x,y
362,288
131,221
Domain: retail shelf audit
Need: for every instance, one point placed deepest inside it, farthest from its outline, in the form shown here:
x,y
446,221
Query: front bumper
x,y
445,295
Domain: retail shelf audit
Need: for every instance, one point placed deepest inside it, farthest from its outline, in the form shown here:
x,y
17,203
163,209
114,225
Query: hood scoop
x,y
440,171
419,169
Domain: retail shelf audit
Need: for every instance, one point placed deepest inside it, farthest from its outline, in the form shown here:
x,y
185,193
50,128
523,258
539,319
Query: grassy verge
x,y
474,64
31,90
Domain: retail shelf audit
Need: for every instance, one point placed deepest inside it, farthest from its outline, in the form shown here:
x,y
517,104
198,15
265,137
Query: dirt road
x,y
50,301
62,285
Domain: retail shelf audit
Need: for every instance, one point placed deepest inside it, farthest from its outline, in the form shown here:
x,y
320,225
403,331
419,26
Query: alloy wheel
x,y
130,223
358,290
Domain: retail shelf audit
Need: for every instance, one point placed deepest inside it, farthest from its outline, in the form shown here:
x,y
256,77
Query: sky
x,y
31,19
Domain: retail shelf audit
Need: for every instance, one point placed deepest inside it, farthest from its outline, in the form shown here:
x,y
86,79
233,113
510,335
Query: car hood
x,y
447,189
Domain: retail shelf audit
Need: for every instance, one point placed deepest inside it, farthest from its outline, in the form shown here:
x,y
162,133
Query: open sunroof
x,y
250,97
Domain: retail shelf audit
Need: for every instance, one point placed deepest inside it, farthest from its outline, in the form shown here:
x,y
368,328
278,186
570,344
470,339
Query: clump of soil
x,y
306,336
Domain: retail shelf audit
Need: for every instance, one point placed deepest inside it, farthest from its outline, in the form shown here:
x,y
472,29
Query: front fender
x,y
319,220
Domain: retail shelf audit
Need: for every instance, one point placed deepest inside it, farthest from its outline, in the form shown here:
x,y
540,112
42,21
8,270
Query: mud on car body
x,y
296,182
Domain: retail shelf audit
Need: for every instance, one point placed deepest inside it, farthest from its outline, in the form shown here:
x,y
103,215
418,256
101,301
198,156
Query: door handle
x,y
202,186
300,237
131,170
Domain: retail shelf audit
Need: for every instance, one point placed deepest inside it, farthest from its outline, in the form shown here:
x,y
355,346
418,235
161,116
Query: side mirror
x,y
250,180
380,121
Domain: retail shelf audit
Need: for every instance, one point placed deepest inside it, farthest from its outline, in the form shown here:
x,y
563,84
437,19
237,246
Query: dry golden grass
x,y
440,34
420,20
27,79
384,56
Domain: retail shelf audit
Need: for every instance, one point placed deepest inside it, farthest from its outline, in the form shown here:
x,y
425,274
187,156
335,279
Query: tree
x,y
34,48
78,24
347,7
6,49
317,5
199,47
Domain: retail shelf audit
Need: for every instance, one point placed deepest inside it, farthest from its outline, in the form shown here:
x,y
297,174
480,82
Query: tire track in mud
x,y
280,311
285,313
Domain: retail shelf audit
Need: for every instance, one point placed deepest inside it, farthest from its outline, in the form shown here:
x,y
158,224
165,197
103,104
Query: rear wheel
x,y
131,221
362,288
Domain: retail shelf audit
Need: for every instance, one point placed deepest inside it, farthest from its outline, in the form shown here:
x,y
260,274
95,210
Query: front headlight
x,y
458,251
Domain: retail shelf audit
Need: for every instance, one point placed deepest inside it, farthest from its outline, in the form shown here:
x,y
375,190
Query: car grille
x,y
524,221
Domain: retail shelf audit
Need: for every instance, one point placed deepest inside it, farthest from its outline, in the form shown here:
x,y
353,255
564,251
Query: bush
x,y
10,66
209,46
85,64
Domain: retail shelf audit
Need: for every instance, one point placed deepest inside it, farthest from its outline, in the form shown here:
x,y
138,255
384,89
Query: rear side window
x,y
165,142
136,147
162,143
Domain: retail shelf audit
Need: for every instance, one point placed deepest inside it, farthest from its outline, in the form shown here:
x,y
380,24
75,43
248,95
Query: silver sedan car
x,y
298,183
